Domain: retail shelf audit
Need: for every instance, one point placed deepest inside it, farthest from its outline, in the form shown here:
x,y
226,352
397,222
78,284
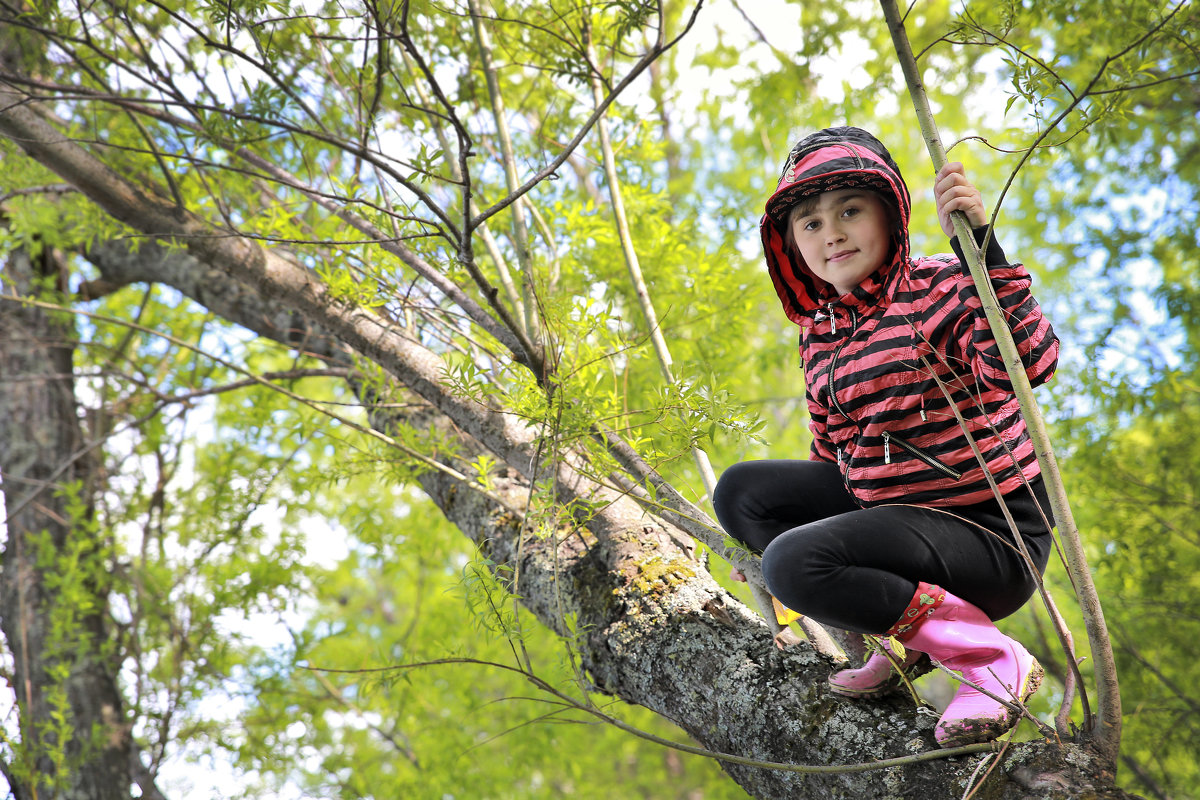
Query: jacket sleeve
x,y
971,339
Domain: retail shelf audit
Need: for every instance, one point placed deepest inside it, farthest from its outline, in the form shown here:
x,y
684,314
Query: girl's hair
x,y
805,206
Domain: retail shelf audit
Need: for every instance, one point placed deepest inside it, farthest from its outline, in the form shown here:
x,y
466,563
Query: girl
x,y
890,527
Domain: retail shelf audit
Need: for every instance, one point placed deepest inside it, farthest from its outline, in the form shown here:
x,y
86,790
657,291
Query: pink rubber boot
x,y
878,676
961,637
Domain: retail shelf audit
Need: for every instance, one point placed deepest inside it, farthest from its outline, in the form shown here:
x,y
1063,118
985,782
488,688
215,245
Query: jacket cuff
x,y
992,257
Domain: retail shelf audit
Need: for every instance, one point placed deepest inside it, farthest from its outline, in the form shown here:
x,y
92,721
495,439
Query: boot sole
x,y
920,667
986,730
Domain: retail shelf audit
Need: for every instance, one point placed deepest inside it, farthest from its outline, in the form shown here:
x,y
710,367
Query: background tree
x,y
320,257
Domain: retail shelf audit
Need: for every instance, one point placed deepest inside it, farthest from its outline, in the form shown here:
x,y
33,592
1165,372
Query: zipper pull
x,y
887,448
839,452
832,318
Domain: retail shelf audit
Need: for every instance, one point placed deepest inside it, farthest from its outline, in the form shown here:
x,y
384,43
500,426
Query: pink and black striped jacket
x,y
880,362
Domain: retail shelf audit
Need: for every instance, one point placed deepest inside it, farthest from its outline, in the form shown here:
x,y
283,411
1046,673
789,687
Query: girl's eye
x,y
850,212
810,225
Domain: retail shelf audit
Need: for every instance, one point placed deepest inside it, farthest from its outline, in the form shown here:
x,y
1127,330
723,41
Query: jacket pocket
x,y
889,439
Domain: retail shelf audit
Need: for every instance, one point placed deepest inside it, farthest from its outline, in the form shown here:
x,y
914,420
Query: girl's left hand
x,y
953,192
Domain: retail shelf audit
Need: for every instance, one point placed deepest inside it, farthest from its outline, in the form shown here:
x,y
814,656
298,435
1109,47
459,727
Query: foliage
x,y
1141,513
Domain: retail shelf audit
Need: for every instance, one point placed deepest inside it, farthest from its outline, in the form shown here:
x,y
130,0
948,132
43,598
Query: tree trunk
x,y
53,599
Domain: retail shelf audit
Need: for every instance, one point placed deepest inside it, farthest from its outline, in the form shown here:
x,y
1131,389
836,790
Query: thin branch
x,y
1108,731
509,162
1074,679
1077,99
489,240
50,188
616,201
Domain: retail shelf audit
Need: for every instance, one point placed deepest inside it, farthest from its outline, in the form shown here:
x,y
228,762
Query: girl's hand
x,y
736,574
953,192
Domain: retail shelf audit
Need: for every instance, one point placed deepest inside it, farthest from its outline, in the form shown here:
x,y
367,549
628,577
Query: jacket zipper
x,y
940,466
836,352
832,387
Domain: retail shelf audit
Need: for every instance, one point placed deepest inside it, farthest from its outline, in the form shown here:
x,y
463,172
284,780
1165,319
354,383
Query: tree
x,y
379,199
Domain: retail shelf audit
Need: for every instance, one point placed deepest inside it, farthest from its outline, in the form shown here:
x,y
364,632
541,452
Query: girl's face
x,y
843,236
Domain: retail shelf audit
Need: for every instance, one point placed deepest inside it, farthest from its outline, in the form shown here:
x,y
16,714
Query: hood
x,y
834,158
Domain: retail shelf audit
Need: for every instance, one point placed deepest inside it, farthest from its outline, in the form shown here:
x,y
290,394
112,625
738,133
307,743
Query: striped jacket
x,y
891,367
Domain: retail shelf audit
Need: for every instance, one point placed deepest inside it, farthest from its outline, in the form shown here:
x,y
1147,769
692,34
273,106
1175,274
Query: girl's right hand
x,y
736,574
953,192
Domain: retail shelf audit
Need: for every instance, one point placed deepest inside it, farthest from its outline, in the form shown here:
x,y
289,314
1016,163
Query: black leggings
x,y
856,568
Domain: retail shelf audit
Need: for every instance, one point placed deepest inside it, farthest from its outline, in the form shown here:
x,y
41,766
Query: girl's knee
x,y
731,480
731,488
787,570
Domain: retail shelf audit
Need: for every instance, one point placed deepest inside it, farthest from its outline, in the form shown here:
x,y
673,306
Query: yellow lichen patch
x,y
657,573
